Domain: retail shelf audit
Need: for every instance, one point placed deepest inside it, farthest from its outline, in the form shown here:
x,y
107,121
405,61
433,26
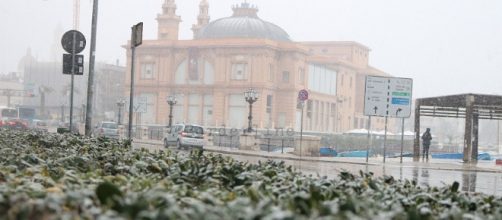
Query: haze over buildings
x,y
430,41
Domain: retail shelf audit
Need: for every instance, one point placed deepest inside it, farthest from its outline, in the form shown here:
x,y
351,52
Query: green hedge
x,y
60,176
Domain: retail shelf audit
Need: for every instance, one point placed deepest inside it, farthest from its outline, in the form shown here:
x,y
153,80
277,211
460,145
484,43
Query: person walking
x,y
426,143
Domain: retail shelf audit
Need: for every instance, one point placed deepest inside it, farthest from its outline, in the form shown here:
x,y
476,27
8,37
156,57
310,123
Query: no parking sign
x,y
303,95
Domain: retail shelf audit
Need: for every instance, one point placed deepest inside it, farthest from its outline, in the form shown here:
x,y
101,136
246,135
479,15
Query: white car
x,y
39,125
185,136
106,129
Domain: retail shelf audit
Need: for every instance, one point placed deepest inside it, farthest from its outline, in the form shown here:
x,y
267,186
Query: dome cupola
x,y
244,23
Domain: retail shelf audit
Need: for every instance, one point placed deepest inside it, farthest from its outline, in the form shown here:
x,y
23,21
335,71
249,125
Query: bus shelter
x,y
471,107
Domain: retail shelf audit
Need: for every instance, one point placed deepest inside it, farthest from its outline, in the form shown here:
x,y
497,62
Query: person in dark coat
x,y
426,143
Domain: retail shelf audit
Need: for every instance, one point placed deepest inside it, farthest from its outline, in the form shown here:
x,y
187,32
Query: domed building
x,y
210,73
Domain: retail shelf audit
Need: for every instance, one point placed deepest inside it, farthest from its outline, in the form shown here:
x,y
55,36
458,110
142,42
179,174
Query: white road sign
x,y
140,104
388,96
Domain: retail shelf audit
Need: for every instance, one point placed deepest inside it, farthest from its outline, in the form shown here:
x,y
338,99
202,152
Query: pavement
x,y
483,176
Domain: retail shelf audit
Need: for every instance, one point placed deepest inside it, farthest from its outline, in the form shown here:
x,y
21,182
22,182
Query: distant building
x,y
51,88
230,55
11,90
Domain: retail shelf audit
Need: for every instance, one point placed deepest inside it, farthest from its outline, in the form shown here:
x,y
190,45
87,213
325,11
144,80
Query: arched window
x,y
197,71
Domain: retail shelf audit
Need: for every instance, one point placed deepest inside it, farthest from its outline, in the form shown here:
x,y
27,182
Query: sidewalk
x,y
433,164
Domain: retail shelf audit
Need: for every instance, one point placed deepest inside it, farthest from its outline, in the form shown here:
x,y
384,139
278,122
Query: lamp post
x,y
171,100
251,97
120,104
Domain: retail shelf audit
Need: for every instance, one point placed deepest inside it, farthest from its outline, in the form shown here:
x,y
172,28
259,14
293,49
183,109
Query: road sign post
x,y
402,139
74,43
136,40
369,139
303,96
387,97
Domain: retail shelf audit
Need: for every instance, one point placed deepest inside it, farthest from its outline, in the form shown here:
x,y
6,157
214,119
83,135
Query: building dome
x,y
244,23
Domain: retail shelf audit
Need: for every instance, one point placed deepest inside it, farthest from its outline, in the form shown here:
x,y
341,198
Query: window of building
x,y
356,122
269,104
285,76
193,69
237,111
322,79
309,108
208,110
301,75
268,117
239,71
194,101
271,73
147,71
316,113
146,105
179,109
281,120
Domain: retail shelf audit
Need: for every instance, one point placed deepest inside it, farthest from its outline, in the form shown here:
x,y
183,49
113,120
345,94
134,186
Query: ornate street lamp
x,y
171,100
251,97
120,104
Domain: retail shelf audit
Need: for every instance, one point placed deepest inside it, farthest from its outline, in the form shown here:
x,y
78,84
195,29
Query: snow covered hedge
x,y
50,176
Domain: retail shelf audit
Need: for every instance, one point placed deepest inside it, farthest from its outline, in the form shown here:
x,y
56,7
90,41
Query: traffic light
x,y
77,64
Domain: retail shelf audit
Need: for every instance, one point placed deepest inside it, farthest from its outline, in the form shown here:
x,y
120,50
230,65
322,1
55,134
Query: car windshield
x,y
110,125
194,129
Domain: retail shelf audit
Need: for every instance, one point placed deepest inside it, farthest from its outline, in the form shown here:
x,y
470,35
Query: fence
x,y
282,141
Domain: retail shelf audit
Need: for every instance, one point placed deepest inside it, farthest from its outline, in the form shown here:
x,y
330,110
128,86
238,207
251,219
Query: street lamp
x,y
171,100
251,97
120,104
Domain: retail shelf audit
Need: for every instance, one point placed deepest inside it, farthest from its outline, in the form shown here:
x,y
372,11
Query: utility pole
x,y
76,14
92,59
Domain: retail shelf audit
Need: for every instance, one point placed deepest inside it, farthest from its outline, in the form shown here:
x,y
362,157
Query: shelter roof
x,y
455,106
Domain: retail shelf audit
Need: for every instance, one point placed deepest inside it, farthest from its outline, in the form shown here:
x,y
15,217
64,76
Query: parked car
x,y
15,124
65,127
39,125
107,129
185,136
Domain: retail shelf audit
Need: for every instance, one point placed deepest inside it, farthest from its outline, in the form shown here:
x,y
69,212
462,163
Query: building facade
x,y
50,89
210,73
11,90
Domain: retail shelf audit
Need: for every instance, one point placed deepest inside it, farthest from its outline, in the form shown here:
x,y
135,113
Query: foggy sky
x,y
446,46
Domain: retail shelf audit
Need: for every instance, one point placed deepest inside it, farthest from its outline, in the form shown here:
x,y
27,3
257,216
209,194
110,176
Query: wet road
x,y
471,181
424,174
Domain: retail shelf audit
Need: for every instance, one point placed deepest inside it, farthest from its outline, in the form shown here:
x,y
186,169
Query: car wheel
x,y
166,144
